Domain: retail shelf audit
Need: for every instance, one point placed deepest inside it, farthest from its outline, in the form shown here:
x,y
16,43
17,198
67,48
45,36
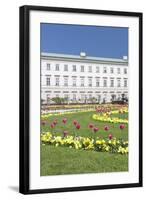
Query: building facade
x,y
83,79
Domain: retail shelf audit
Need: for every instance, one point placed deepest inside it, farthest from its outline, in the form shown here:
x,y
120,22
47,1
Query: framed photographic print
x,y
80,99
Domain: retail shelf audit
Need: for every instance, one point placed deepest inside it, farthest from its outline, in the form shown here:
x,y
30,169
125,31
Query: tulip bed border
x,y
106,117
97,144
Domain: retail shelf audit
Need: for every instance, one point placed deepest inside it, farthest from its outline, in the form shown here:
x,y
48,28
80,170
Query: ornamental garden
x,y
84,139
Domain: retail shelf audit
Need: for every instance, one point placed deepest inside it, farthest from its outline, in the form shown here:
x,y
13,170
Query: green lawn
x,y
62,160
84,119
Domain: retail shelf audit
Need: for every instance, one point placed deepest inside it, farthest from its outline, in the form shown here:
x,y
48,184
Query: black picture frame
x,y
24,148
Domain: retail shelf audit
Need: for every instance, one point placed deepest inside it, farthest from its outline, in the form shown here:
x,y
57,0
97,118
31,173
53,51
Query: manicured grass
x,y
121,116
84,119
62,160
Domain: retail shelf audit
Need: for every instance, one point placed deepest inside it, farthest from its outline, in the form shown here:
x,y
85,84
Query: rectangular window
x,y
90,82
104,70
118,70
97,69
90,96
74,68
74,82
90,69
125,70
125,82
57,67
82,97
74,97
48,81
112,70
97,82
98,98
65,67
48,66
82,68
66,97
66,81
82,82
57,81
104,83
118,83
112,83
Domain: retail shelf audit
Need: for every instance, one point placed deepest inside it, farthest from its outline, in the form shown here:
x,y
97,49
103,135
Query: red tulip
x,y
43,123
64,120
110,136
91,125
52,125
65,133
55,122
106,128
78,126
95,129
122,126
75,122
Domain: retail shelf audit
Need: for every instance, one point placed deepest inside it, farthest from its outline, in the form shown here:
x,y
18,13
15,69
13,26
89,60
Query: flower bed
x,y
46,116
106,117
110,144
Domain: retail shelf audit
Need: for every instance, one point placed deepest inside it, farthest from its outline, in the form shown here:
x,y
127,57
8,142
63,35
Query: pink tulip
x,y
122,126
110,136
95,129
98,110
106,128
78,126
104,110
64,120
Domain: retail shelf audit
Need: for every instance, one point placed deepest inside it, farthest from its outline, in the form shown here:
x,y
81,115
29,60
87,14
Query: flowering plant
x,y
105,117
110,144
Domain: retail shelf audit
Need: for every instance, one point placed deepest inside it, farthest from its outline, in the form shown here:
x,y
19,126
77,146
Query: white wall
x,y
52,89
9,83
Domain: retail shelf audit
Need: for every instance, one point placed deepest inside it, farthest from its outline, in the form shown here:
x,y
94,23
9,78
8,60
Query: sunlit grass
x,y
62,160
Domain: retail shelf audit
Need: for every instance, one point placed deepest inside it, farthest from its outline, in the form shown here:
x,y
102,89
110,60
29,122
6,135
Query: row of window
x,y
90,84
82,69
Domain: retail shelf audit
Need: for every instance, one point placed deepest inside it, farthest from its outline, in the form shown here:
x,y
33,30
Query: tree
x,y
93,100
66,100
57,100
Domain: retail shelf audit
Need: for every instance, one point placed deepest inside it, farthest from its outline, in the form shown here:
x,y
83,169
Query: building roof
x,y
83,58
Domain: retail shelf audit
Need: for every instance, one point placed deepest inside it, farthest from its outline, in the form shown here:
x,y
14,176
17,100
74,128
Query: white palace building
x,y
81,78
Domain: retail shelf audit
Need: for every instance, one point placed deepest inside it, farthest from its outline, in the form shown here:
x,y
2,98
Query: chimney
x,y
82,54
125,58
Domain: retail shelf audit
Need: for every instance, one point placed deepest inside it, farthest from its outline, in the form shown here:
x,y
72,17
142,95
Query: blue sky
x,y
110,42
